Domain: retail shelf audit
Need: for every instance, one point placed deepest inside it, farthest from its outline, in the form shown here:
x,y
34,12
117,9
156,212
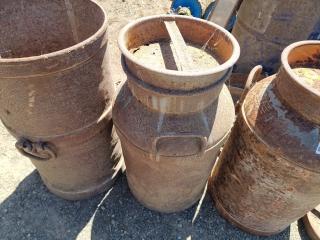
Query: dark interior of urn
x,y
305,56
193,31
36,27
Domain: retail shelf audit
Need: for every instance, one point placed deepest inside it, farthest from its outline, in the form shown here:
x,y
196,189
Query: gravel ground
x,y
29,211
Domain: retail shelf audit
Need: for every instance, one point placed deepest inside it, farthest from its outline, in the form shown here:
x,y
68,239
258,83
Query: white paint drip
x,y
181,106
318,149
160,122
163,104
200,105
174,103
205,121
72,20
154,102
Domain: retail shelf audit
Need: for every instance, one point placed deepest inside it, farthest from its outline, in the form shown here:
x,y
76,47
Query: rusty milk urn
x,y
56,93
171,122
268,173
265,28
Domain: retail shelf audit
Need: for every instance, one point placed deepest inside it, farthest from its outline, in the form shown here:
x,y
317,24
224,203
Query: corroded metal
x,y
268,173
172,124
56,93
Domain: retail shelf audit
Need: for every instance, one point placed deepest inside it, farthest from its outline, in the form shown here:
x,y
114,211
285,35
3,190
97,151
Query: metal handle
x,y
203,143
253,77
40,151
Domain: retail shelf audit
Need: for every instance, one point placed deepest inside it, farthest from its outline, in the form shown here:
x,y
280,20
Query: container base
x,y
88,192
223,212
162,210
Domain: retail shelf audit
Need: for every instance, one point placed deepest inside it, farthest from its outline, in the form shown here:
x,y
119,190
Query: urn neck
x,y
175,101
301,95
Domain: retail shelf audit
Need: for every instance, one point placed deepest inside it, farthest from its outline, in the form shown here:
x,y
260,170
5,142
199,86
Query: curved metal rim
x,y
228,64
178,93
72,48
288,69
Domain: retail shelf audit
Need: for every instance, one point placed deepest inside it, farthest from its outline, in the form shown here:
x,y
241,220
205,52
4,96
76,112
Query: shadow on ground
x,y
120,216
31,212
37,214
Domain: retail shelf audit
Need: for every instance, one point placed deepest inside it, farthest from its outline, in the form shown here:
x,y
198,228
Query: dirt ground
x,y
29,211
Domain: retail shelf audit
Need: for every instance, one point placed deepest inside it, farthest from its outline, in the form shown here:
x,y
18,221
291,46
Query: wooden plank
x,y
312,223
184,61
223,11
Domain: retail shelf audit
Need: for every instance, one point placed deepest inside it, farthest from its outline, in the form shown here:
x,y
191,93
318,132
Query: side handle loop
x,y
253,77
40,151
202,143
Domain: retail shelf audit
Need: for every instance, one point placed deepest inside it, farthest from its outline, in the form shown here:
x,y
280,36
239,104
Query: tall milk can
x,y
268,174
56,93
173,123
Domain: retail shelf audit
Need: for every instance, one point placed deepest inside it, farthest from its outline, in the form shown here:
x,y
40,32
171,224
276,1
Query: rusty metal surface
x,y
169,183
171,138
265,28
28,210
212,122
56,93
86,162
196,31
167,162
270,164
